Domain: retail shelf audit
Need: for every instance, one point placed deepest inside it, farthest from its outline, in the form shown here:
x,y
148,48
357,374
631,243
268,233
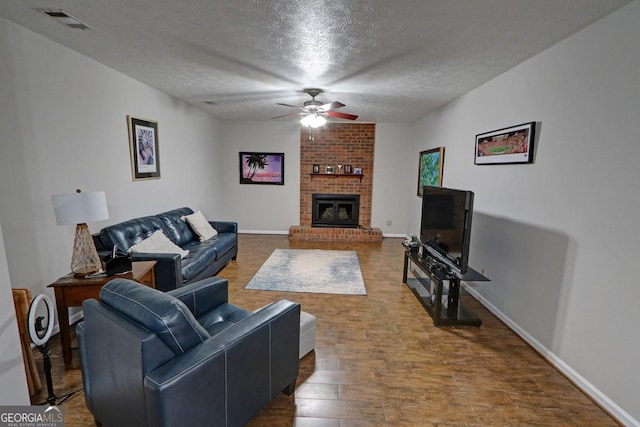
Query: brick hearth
x,y
332,145
325,234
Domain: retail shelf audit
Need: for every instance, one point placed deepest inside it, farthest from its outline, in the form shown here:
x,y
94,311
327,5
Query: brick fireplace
x,y
332,145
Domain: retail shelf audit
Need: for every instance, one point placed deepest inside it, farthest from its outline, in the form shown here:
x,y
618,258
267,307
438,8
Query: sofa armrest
x,y
225,226
168,270
203,296
232,374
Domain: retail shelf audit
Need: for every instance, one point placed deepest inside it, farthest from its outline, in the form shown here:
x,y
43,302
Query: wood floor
x,y
379,361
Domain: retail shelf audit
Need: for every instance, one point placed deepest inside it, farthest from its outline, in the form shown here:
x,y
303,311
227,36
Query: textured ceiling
x,y
388,61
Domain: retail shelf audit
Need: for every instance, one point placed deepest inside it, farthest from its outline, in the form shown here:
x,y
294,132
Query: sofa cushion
x,y
177,230
200,226
127,233
200,256
158,243
221,244
203,254
156,311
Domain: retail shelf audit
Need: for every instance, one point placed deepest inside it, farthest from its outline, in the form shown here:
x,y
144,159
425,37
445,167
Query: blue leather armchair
x,y
184,357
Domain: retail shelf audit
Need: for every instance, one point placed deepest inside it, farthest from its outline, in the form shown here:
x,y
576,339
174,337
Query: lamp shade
x,y
313,120
80,208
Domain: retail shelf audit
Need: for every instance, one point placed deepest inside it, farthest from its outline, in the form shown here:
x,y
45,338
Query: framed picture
x,y
262,168
143,146
357,171
430,167
348,170
316,168
504,146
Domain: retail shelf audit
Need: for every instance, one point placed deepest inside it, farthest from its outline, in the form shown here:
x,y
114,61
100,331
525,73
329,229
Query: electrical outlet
x,y
388,222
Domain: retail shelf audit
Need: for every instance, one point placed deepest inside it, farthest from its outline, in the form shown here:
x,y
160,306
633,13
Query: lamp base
x,y
85,259
84,273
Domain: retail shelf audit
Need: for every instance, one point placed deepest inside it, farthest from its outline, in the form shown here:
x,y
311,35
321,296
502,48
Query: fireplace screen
x,y
335,210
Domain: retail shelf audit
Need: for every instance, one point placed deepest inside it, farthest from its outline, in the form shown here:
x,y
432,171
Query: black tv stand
x,y
441,300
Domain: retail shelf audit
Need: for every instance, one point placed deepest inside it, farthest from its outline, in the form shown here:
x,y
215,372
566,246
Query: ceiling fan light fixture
x,y
313,121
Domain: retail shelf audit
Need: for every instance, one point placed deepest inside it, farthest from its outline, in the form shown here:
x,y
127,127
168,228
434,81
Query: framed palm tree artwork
x,y
262,168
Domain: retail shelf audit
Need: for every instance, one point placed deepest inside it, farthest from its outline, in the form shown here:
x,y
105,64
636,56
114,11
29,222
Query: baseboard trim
x,y
72,319
56,327
404,236
589,389
263,232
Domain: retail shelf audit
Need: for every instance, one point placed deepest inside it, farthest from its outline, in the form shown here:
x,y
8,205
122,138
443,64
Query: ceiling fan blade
x,y
332,106
287,105
341,115
287,115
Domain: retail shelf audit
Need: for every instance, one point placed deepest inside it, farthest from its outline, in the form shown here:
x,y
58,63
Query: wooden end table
x,y
71,291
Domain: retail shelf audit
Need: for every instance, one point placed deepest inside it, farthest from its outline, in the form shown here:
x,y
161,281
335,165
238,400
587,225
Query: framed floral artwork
x,y
143,146
430,168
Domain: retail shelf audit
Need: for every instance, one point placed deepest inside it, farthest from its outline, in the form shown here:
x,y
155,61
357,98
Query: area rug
x,y
310,270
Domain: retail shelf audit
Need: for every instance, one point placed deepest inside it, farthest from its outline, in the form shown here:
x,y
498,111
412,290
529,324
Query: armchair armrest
x,y
203,296
225,226
168,270
250,361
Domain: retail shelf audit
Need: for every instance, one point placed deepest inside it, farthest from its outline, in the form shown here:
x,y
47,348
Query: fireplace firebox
x,y
335,210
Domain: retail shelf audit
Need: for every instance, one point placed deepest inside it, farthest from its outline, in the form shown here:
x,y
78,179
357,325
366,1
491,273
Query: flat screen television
x,y
445,226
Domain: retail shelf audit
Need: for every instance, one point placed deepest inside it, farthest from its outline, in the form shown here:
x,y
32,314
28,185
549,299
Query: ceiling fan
x,y
313,112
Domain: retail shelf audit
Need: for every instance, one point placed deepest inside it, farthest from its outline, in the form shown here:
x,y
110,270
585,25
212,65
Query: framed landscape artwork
x,y
143,146
430,168
503,146
262,168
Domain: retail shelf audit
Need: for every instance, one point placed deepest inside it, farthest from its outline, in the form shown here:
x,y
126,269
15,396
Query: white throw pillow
x,y
158,243
200,226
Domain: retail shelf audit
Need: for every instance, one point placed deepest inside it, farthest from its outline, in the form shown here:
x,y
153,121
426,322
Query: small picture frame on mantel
x,y
316,168
348,170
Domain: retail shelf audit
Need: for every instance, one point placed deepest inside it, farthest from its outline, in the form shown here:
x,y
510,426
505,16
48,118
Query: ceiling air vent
x,y
65,18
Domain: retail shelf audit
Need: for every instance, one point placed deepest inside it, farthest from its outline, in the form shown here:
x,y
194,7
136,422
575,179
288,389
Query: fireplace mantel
x,y
338,175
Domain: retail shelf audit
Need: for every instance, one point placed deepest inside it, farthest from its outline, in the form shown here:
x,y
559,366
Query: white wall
x,y
63,126
13,380
273,209
559,237
262,208
393,171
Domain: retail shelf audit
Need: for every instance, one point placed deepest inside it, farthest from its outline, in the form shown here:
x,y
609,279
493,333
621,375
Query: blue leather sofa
x,y
205,259
185,357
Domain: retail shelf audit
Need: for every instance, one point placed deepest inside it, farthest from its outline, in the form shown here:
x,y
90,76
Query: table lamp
x,y
78,209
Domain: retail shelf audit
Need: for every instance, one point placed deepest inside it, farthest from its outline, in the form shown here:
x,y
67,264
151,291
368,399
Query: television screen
x,y
446,224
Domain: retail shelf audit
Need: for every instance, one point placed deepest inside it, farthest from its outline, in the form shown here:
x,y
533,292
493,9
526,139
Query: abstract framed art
x,y
262,168
430,167
143,147
505,146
